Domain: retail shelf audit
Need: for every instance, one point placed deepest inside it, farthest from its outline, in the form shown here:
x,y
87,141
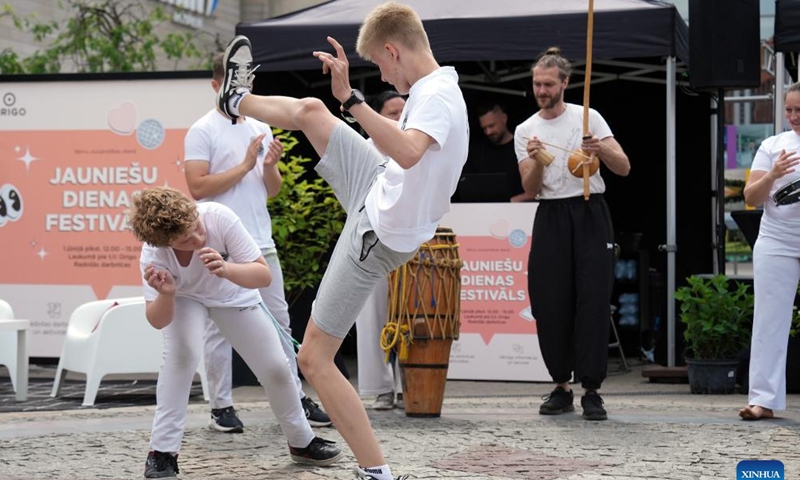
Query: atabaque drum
x,y
425,301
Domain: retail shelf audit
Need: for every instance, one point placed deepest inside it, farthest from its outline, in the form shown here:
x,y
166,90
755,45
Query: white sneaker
x,y
385,401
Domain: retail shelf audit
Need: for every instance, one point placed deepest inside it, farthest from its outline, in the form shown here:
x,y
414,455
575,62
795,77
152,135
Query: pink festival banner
x,y
70,161
498,338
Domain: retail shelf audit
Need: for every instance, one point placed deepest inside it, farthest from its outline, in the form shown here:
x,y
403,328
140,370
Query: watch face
x,y
356,97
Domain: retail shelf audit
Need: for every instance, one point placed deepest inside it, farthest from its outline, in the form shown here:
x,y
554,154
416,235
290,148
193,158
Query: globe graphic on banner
x,y
150,134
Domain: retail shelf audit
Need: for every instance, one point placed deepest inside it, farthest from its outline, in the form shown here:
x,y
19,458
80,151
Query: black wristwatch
x,y
356,97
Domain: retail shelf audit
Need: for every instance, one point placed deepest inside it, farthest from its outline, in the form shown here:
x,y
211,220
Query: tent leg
x,y
719,214
780,79
671,246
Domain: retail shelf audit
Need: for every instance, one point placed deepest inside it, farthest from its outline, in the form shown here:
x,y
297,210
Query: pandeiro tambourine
x,y
789,194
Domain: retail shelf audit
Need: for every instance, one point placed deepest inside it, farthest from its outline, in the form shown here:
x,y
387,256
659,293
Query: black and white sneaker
x,y
161,465
361,474
225,420
319,452
316,417
237,61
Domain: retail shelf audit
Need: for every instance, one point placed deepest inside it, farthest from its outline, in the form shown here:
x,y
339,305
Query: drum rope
x,y
448,272
393,330
423,295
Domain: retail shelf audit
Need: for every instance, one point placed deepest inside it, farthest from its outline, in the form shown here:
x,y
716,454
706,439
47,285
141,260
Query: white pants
x,y
375,376
255,337
776,272
218,354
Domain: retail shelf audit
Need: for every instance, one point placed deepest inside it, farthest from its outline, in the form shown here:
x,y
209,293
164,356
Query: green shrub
x,y
718,319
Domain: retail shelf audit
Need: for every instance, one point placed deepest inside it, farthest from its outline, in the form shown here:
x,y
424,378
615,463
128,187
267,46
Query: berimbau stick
x,y
586,82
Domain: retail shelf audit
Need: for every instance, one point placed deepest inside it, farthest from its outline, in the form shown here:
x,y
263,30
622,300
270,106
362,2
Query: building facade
x,y
213,22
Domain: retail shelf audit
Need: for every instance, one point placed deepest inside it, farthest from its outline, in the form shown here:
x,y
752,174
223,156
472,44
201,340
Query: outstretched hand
x,y
339,68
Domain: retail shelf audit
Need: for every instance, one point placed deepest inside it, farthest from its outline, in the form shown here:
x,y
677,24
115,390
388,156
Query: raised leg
x,y
307,114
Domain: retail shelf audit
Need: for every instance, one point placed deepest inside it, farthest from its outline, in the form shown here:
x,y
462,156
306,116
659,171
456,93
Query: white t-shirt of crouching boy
x,y
226,234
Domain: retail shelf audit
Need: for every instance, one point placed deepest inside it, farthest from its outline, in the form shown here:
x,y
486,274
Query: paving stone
x,y
662,435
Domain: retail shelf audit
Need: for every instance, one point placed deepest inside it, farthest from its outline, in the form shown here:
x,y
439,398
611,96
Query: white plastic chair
x,y
112,336
12,352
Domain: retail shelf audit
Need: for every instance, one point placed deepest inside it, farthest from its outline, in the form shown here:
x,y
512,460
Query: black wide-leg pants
x,y
570,279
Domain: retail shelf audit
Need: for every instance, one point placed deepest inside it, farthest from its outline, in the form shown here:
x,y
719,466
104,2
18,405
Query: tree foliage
x,y
102,36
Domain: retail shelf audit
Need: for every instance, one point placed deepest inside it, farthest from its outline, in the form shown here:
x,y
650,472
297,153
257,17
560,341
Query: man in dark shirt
x,y
495,153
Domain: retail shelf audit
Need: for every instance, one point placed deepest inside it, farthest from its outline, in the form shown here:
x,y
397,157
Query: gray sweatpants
x,y
359,260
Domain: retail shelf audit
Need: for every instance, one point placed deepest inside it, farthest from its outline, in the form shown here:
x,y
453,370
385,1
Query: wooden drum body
x,y
425,300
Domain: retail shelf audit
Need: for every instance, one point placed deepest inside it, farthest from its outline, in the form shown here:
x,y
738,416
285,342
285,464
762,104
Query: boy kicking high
x,y
393,206
199,261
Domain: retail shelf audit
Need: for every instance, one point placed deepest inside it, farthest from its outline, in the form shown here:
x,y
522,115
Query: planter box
x,y
712,376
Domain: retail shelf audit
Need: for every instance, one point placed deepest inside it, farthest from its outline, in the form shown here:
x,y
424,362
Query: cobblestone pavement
x,y
488,431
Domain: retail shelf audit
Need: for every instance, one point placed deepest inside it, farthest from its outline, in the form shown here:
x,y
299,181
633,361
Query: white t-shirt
x,y
564,131
214,139
779,222
225,234
405,206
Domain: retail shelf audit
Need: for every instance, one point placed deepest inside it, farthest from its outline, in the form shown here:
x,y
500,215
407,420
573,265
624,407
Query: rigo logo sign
x,y
200,7
10,107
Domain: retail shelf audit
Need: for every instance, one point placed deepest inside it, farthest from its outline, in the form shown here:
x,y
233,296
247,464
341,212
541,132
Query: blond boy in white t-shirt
x,y
393,205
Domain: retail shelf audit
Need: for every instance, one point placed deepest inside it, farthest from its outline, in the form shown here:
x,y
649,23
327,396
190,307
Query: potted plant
x,y
718,316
